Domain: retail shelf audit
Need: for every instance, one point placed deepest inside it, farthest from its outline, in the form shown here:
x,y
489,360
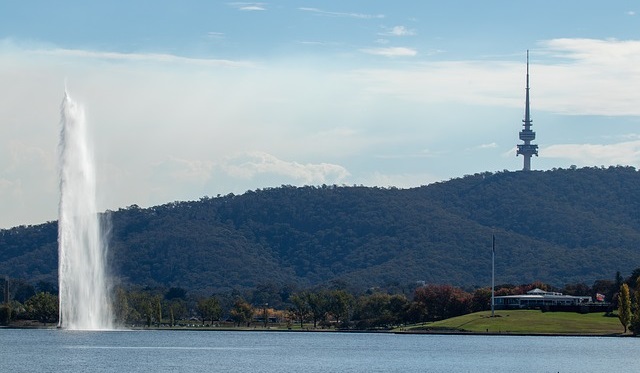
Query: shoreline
x,y
347,331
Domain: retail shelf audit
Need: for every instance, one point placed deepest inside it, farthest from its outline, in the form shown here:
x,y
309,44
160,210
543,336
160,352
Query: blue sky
x,y
194,98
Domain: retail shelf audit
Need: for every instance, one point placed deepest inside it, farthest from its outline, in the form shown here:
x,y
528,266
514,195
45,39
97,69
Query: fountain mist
x,y
84,296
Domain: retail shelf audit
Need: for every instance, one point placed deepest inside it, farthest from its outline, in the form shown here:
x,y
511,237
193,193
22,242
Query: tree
x,y
339,303
241,312
177,309
443,301
624,306
631,280
43,307
209,309
481,300
121,308
635,309
373,311
399,307
299,307
142,307
157,309
317,303
576,289
618,283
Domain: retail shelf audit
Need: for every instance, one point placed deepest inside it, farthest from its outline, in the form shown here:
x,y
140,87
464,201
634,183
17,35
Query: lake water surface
x,y
220,351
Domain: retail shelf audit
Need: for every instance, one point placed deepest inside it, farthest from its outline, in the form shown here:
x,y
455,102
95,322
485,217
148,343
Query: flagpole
x,y
493,271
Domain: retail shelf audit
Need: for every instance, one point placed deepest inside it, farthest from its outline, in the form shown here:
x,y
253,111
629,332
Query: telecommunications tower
x,y
527,135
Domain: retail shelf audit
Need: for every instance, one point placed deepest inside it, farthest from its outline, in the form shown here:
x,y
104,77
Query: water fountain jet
x,y
84,296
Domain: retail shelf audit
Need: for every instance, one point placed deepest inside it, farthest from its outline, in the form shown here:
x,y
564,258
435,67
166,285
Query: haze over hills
x,y
560,226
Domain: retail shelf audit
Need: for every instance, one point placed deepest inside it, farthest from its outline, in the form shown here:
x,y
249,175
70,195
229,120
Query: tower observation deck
x,y
527,135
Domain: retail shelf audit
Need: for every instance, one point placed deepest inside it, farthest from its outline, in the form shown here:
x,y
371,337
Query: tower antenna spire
x,y
527,135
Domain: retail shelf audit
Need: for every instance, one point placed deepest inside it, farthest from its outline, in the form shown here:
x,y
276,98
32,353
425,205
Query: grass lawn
x,y
529,322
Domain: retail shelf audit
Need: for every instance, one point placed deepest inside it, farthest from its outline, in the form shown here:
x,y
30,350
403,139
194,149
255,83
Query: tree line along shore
x,y
417,308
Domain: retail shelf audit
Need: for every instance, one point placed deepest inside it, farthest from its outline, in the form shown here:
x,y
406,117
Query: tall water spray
x,y
84,296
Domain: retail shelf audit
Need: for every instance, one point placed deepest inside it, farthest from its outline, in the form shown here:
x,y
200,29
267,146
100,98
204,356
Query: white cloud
x,y
249,7
492,145
595,77
568,76
631,13
391,51
397,31
253,164
474,82
341,14
215,35
624,153
140,57
165,126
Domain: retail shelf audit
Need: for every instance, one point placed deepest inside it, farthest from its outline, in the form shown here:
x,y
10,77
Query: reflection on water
x,y
207,351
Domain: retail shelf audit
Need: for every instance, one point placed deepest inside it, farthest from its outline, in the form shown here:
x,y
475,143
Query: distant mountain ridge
x,y
560,226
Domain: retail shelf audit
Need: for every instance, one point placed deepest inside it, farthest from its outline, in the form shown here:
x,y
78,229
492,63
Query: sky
x,y
186,99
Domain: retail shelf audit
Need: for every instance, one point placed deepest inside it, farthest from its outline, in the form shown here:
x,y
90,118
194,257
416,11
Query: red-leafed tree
x,y
443,301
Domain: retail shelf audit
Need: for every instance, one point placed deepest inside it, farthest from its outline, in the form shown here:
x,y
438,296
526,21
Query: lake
x,y
46,350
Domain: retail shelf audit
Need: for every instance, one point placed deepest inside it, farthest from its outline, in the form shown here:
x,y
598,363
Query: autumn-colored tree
x,y
443,301
624,306
241,312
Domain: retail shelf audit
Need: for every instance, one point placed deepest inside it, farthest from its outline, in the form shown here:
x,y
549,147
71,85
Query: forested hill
x,y
560,226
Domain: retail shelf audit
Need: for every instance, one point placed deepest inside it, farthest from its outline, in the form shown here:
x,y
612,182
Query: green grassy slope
x,y
529,322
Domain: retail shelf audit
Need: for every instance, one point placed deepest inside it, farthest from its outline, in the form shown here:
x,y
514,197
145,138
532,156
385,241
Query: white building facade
x,y
538,298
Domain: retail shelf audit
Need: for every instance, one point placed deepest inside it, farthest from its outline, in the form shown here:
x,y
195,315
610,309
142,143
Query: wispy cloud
x,y
596,154
256,163
492,145
140,57
249,7
341,14
397,31
601,76
215,35
324,135
391,51
569,76
631,13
